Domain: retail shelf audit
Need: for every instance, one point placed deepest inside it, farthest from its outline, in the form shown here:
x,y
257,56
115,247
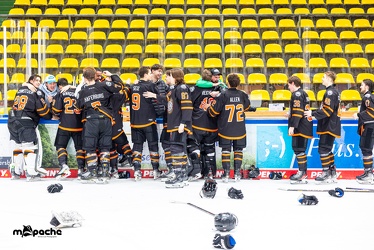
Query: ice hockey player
x,y
328,127
28,108
299,127
366,131
229,108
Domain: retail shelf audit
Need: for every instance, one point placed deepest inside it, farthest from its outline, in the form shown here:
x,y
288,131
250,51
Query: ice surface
x,y
139,215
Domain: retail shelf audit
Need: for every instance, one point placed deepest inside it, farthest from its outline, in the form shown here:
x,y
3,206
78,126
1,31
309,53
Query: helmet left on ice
x,y
209,189
50,79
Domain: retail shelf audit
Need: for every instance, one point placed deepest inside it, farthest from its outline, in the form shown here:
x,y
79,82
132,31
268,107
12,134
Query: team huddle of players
x,y
194,119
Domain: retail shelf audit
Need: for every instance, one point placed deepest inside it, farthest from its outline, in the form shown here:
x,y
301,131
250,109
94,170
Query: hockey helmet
x,y
50,79
253,172
225,222
209,189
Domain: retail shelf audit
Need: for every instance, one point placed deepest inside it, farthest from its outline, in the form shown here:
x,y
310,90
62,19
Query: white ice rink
x,y
131,215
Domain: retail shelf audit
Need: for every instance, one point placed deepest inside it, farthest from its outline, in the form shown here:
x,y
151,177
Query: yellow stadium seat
x,y
212,35
286,24
212,63
275,63
173,49
366,35
232,35
194,11
343,23
353,49
270,35
194,24
54,49
211,2
350,95
122,11
34,48
89,62
254,63
67,76
158,11
137,24
267,24
125,2
135,36
306,23
362,76
361,24
43,35
87,11
176,11
10,62
253,49
228,2
109,3
17,11
155,35
191,78
172,63
93,49
90,3
116,36
311,95
13,49
50,63
256,78
230,24
229,11
324,24
257,96
328,35
343,78
301,11
370,10
23,3
1,49
263,3
11,94
273,48
153,49
64,24
211,24
105,11
247,11
82,24
284,11
250,36
34,11
110,63
128,76
290,35
213,49
150,61
360,63
17,35
356,11
303,77
69,63
22,63
2,79
266,11
249,24
97,36
130,63
293,49
317,63
208,11
175,36
192,63
234,63
175,24
338,11
113,49
339,63
246,2
101,24
59,36
133,49
193,49
74,49
316,2
8,24
369,49
310,35
79,36
156,24
320,11
298,2
348,35
70,11
333,49
119,24
317,79
233,48
47,23
281,95
278,78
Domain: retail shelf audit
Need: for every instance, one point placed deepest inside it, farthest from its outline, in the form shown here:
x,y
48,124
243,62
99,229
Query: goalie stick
x,y
363,190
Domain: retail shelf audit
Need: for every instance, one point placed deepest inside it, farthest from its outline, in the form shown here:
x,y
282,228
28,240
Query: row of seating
x,y
112,3
190,11
194,23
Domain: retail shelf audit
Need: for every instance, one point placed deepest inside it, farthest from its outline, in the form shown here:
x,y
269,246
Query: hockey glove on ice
x,y
337,192
308,200
54,188
223,242
253,172
235,193
275,175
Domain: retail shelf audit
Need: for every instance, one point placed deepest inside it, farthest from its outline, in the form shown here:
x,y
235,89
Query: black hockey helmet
x,y
253,172
209,189
225,222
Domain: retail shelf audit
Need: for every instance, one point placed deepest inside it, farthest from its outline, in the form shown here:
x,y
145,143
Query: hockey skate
x,y
195,177
225,178
326,177
366,178
31,178
63,173
156,174
176,180
104,176
138,175
13,174
237,176
299,178
166,176
114,173
89,176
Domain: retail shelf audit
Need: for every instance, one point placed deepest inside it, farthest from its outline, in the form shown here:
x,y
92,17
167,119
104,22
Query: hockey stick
x,y
362,189
192,205
326,190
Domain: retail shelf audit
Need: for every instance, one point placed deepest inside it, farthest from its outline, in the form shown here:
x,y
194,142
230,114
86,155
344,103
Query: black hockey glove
x,y
235,193
253,172
54,188
275,175
308,200
337,192
123,175
223,242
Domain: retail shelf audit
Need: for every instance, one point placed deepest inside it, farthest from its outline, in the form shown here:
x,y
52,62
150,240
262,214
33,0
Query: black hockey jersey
x,y
31,104
200,119
300,103
142,112
328,115
64,105
94,99
179,108
229,107
366,114
116,102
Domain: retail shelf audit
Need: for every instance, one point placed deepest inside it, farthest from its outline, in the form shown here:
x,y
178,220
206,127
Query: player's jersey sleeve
x,y
57,104
216,106
41,106
366,113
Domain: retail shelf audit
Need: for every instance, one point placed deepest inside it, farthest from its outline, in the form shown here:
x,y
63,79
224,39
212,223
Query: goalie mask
x,y
209,189
225,222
